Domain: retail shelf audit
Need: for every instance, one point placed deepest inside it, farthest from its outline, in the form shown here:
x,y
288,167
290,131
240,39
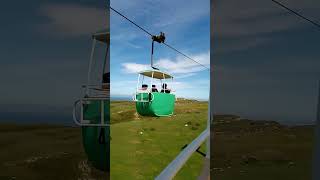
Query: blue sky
x,y
266,60
44,51
187,28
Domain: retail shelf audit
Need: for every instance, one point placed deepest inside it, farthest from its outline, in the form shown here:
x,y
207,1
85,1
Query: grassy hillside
x,y
142,147
241,149
264,150
32,152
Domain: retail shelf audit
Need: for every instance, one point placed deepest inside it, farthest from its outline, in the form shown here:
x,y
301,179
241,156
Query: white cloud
x,y
122,88
191,89
73,19
178,85
184,75
134,45
134,67
181,65
200,89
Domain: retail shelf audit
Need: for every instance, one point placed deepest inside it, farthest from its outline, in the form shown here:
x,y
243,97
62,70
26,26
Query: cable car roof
x,y
102,36
156,74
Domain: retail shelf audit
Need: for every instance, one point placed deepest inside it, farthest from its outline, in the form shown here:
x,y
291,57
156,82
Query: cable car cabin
x,y
152,100
91,112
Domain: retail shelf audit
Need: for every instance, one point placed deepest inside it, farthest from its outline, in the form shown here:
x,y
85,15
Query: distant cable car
x,y
94,106
151,101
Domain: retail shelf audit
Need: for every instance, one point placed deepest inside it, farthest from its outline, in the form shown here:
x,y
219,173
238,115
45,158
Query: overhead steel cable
x,y
130,21
185,55
169,46
297,14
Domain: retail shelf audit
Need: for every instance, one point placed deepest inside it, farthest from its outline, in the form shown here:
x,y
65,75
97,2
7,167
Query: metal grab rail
x,y
134,98
316,149
94,85
83,122
97,89
172,169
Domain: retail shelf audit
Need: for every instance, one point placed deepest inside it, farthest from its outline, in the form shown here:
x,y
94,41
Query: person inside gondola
x,y
143,88
154,88
106,81
165,88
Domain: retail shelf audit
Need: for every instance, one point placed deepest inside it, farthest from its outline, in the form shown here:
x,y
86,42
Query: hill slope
x,y
245,149
142,147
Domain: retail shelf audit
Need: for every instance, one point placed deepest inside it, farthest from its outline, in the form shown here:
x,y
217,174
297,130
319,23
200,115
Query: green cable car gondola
x,y
93,107
151,101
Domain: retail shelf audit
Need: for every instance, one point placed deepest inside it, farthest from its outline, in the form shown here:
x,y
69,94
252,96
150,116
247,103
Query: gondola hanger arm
x,y
159,39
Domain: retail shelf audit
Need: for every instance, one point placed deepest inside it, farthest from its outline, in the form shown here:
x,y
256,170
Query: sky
x,y
266,60
187,28
45,49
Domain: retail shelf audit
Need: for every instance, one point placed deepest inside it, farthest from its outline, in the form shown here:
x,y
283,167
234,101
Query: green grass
x,y
37,152
241,149
141,147
261,150
32,152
